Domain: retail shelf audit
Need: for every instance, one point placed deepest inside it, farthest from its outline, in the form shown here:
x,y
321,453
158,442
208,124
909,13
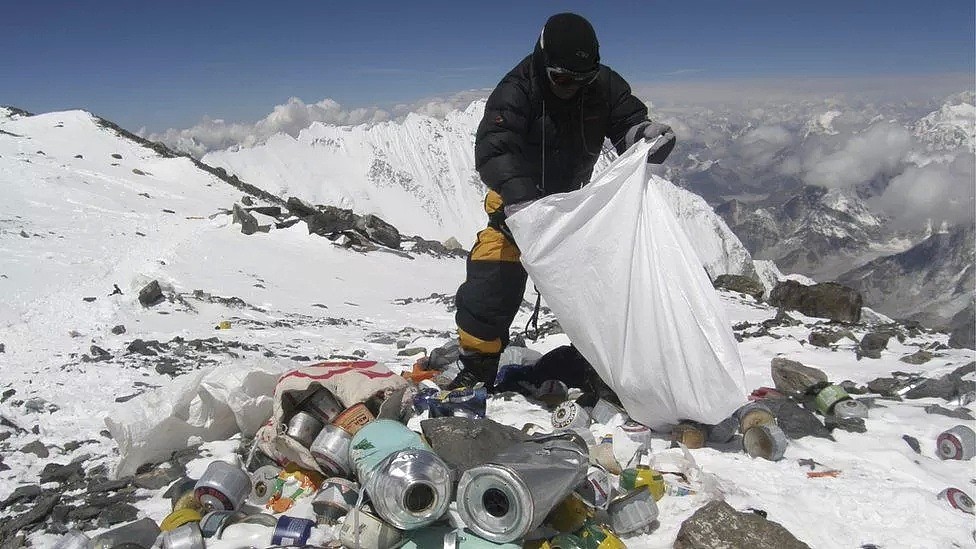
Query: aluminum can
x,y
331,451
322,405
564,541
222,487
690,434
956,443
850,408
511,495
73,539
187,536
606,412
367,531
335,499
958,499
214,521
632,512
643,476
765,441
828,397
754,414
597,490
570,515
637,432
292,531
570,415
354,418
598,536
448,537
263,482
411,488
724,431
374,442
178,518
303,427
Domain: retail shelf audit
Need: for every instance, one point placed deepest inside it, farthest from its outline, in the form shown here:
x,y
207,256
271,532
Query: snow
x,y
81,217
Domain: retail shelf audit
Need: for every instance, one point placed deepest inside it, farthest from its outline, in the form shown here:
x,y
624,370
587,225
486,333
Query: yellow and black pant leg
x,y
489,298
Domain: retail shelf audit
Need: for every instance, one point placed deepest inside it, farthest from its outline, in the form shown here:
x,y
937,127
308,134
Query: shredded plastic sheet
x,y
614,265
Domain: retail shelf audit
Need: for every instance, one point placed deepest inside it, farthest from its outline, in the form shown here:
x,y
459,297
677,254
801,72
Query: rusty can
x,y
354,418
765,441
222,487
753,414
690,434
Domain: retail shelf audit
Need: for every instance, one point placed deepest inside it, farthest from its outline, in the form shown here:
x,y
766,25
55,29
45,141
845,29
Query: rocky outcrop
x,y
741,284
718,526
826,300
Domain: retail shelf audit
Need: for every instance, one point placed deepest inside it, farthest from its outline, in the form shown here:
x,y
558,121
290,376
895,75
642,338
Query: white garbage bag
x,y
626,285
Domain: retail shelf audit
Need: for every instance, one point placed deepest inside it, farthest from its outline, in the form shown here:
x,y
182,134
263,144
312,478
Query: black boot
x,y
476,368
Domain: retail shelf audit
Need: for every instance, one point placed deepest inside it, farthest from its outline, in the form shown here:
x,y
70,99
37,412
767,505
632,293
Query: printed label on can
x,y
354,418
213,498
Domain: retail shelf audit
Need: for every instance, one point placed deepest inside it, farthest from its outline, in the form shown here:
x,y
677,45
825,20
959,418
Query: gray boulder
x,y
151,294
796,421
963,328
300,208
379,231
329,219
947,387
790,376
919,357
464,442
718,526
826,300
741,284
826,338
249,224
873,343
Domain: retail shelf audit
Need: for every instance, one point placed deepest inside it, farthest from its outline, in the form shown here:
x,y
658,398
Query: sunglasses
x,y
565,77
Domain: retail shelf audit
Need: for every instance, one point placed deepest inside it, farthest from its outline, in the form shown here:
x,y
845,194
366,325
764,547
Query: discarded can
x,y
222,487
448,537
690,434
850,408
552,392
765,441
637,432
223,325
335,499
322,405
958,499
582,432
606,412
73,539
411,488
178,518
642,476
187,536
598,536
511,495
263,482
212,522
181,494
602,455
564,541
956,443
723,431
303,427
331,451
597,490
354,418
292,531
570,415
373,443
632,512
367,531
570,514
828,397
754,414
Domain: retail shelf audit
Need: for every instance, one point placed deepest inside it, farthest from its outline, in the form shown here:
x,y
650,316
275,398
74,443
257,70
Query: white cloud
x,y
879,150
937,192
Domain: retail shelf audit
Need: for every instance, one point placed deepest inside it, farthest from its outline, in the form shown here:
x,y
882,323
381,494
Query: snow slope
x,y
298,294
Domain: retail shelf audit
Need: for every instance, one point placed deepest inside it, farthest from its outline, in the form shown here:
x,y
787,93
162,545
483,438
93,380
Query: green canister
x,y
828,397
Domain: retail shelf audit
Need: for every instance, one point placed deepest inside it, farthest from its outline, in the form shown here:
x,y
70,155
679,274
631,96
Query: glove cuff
x,y
635,133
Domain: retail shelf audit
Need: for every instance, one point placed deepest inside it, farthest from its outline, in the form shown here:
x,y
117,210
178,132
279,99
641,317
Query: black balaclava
x,y
568,41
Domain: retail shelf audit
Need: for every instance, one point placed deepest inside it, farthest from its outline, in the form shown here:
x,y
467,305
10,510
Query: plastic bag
x,y
632,295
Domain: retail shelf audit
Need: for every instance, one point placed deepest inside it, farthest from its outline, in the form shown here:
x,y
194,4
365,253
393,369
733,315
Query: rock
x,y
247,201
964,370
852,388
780,319
410,351
380,339
820,338
444,355
718,526
142,532
7,394
464,442
287,223
121,512
249,224
872,344
958,413
54,472
22,493
963,328
42,508
947,387
913,443
151,294
918,357
849,424
741,284
144,348
795,421
379,231
826,300
89,299
117,156
301,358
453,244
118,330
270,211
110,486
329,219
159,477
37,448
299,207
3,348
98,354
791,377
887,386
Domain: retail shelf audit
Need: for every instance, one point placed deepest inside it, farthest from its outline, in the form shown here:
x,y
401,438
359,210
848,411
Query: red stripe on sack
x,y
340,368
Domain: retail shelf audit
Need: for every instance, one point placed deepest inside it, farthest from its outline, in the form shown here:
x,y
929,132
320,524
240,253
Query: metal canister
x,y
642,476
602,455
73,539
956,443
367,531
222,487
766,441
263,482
178,518
411,488
322,405
632,512
292,531
958,499
187,536
850,408
570,515
564,541
303,427
597,490
828,397
335,499
754,414
690,434
377,440
598,536
606,412
637,432
723,431
354,418
331,451
448,537
570,415
506,498
181,494
214,521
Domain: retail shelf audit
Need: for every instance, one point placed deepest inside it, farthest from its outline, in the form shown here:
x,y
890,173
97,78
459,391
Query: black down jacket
x,y
531,143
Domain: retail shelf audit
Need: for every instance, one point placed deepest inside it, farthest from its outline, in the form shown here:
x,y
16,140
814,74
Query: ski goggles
x,y
565,77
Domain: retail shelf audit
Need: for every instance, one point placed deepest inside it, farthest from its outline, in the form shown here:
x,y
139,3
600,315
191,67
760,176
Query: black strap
x,y
534,319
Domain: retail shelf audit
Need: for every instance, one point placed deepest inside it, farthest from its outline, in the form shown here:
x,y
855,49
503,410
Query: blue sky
x,y
167,64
